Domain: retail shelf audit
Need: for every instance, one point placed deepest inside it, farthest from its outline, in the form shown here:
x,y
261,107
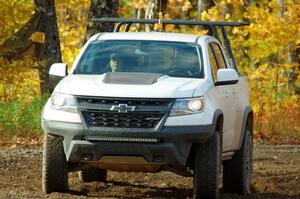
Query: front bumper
x,y
173,147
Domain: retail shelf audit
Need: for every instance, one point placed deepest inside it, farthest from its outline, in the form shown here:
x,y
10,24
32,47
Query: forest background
x,y
267,52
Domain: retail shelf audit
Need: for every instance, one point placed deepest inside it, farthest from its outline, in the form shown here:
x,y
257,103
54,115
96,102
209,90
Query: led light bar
x,y
121,139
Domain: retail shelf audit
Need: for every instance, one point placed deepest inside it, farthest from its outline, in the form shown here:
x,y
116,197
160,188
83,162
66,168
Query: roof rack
x,y
213,25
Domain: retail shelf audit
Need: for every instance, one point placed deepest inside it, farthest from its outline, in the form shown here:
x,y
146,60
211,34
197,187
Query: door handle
x,y
233,91
227,93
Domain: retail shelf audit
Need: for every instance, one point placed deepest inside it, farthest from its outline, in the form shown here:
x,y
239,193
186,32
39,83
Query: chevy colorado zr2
x,y
151,101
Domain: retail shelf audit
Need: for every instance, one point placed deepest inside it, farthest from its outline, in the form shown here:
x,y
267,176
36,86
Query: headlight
x,y
63,102
187,106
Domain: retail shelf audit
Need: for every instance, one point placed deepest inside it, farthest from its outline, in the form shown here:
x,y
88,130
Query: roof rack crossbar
x,y
163,21
213,25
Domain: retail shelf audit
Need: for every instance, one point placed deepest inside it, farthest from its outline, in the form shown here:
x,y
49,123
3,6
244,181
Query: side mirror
x,y
56,73
58,69
227,76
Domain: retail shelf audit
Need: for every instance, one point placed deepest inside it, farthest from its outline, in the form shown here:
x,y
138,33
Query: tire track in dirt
x,y
276,175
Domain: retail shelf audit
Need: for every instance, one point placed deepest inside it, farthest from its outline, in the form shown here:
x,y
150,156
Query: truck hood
x,y
96,85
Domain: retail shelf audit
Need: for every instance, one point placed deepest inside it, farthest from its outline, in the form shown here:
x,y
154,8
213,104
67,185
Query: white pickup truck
x,y
146,102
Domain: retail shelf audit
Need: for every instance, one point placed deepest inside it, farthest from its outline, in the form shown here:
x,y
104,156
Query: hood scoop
x,y
131,78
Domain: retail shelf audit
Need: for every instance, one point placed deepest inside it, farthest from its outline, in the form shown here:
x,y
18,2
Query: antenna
x,y
160,5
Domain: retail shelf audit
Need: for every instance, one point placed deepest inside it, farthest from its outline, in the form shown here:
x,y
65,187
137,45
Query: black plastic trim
x,y
230,82
187,133
163,21
167,152
248,110
174,147
54,80
218,113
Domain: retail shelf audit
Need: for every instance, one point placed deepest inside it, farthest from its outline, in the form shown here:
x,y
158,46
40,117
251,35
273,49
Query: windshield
x,y
176,59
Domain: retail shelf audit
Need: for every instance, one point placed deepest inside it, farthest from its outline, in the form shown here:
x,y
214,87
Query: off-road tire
x,y
92,174
237,172
55,168
207,168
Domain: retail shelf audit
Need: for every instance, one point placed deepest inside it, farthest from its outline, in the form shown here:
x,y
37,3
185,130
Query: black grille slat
x,y
128,120
99,112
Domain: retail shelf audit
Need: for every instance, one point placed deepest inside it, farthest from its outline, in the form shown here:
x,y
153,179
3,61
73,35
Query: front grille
x,y
122,120
123,113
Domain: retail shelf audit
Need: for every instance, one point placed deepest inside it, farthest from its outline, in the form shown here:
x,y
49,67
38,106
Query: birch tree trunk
x,y
150,12
204,5
293,57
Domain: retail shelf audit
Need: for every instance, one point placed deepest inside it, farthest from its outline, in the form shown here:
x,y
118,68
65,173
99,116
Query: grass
x,y
21,119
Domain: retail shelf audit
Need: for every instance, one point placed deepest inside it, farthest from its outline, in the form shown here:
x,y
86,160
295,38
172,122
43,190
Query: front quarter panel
x,y
243,110
61,123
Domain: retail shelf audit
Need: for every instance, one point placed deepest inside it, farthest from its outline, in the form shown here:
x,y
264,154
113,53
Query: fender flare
x,y
247,111
217,114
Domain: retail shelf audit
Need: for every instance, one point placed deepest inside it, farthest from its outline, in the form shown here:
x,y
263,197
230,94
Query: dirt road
x,y
276,175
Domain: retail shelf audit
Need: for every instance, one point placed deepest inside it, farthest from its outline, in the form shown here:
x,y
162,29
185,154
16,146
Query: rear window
x,y
176,59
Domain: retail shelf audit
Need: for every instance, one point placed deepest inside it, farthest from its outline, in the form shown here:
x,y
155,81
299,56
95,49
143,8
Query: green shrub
x,y
22,118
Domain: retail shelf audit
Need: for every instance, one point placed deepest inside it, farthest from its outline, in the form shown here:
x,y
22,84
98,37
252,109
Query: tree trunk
x,y
45,49
204,5
138,15
49,51
293,57
150,12
98,9
162,6
13,47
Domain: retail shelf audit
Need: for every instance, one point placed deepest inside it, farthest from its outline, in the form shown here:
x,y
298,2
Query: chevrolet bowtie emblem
x,y
122,108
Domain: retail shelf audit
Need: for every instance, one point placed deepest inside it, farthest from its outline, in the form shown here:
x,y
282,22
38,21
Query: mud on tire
x,y
237,172
91,174
55,169
207,168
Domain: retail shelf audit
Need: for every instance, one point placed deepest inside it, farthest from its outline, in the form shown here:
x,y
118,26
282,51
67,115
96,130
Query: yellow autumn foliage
x,y
265,51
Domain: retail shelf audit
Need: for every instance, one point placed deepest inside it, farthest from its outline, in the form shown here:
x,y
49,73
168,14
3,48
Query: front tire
x,y
55,168
237,172
207,168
